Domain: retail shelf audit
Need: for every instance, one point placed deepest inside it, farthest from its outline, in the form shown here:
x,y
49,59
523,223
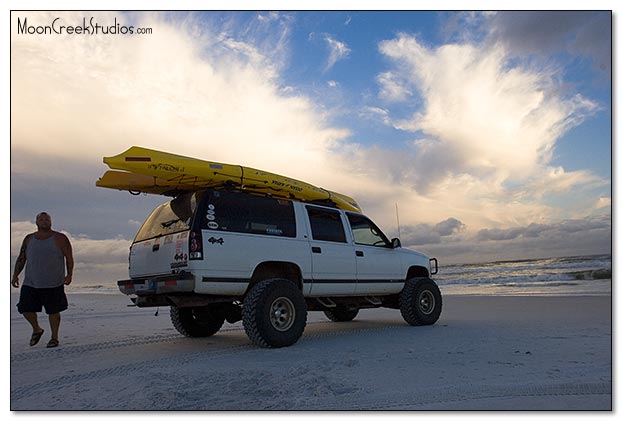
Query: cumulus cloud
x,y
488,126
494,121
565,238
420,234
449,227
537,230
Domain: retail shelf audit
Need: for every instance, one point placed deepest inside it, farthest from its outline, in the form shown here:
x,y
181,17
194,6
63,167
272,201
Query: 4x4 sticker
x,y
214,241
181,260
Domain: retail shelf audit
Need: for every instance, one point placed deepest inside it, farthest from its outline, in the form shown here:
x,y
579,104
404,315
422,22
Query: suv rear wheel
x,y
274,313
420,302
196,321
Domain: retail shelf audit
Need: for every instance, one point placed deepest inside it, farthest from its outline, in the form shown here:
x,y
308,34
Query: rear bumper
x,y
161,284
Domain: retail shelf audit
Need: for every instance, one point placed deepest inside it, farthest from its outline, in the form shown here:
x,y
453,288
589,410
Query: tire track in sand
x,y
26,391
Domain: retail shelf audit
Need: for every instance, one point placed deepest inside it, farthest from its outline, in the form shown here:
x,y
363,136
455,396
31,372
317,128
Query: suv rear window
x,y
242,212
170,217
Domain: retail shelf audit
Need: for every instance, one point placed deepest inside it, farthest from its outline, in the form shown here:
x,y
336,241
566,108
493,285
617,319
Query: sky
x,y
489,131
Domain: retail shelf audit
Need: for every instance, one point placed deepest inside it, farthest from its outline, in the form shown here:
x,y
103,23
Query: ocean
x,y
579,275
582,275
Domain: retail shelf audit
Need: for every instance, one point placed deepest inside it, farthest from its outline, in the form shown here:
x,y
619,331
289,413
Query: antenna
x,y
397,215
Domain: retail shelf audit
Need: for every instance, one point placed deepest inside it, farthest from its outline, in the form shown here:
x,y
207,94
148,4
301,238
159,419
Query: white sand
x,y
484,353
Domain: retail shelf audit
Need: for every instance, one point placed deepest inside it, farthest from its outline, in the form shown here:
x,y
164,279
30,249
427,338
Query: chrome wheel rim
x,y
426,302
282,314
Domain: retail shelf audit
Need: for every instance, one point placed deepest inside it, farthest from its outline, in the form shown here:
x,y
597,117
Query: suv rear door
x,y
241,231
333,260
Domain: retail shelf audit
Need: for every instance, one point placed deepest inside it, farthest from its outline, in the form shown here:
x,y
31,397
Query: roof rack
x,y
275,193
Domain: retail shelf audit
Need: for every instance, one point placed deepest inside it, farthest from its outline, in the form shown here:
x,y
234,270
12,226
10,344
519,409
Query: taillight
x,y
196,246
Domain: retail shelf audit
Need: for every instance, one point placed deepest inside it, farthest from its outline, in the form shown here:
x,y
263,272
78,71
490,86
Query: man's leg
x,y
34,321
28,305
55,324
36,329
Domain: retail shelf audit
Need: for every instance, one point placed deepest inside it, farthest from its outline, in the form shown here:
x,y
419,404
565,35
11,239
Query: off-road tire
x,y
274,313
420,302
196,321
341,314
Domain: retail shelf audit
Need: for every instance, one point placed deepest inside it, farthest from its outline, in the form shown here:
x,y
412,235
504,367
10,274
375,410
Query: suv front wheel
x,y
274,313
420,302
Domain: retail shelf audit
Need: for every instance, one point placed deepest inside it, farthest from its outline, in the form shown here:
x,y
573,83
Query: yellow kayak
x,y
155,172
139,183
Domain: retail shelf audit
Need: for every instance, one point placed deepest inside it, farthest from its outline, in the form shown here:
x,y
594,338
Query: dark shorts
x,y
31,300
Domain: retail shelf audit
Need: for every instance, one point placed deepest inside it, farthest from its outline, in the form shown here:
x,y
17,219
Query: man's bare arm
x,y
65,247
20,262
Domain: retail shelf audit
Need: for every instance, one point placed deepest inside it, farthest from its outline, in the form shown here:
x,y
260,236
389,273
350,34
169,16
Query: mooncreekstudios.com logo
x,y
88,27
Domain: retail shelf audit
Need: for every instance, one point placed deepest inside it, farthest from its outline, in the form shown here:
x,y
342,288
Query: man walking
x,y
45,254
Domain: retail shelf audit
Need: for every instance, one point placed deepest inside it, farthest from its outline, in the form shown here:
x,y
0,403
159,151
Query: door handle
x,y
360,253
316,250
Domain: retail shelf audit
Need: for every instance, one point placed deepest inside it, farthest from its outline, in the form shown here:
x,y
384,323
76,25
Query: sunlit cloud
x,y
603,202
206,95
489,128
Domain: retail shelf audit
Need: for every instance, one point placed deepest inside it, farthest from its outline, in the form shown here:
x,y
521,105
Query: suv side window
x,y
366,233
326,225
242,212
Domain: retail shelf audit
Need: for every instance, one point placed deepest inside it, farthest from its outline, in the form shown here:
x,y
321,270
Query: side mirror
x,y
396,243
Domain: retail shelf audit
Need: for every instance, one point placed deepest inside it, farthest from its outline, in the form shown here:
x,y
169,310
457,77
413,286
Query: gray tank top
x,y
45,264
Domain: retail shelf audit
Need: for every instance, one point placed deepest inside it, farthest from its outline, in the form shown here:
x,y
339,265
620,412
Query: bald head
x,y
44,221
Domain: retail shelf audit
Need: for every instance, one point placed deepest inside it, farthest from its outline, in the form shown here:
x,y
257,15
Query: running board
x,y
326,302
374,300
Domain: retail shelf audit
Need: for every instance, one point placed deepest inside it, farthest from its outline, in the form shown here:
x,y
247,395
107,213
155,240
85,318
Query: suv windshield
x,y
366,232
170,217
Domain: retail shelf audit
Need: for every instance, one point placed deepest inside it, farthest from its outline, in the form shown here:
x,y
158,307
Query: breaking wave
x,y
588,274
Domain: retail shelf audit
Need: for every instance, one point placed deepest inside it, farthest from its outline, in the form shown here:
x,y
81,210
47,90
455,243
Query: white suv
x,y
217,255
